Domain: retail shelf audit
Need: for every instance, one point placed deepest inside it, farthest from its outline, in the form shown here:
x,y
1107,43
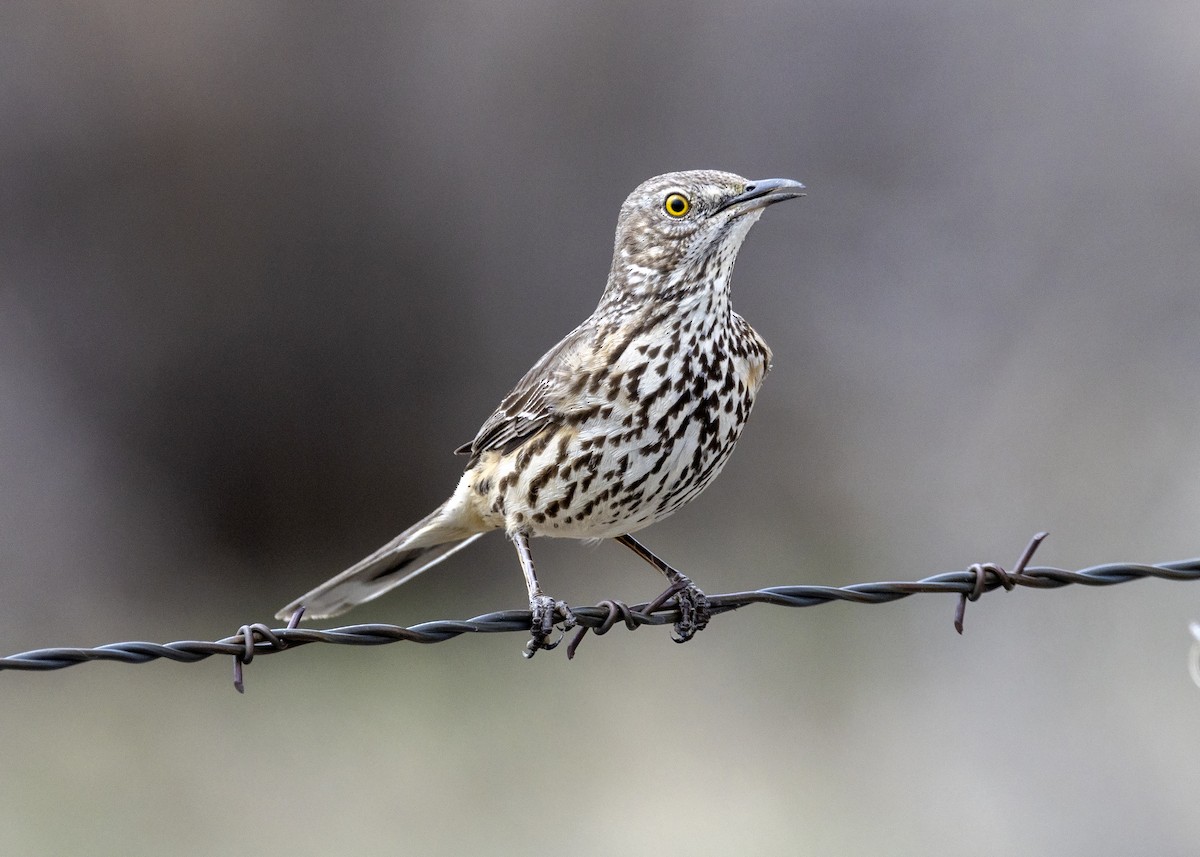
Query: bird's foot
x,y
545,612
693,613
692,604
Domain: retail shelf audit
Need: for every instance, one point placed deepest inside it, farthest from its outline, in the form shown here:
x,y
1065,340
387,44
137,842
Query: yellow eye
x,y
677,205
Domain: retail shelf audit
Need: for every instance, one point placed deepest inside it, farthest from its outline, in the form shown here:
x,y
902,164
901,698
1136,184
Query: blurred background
x,y
263,266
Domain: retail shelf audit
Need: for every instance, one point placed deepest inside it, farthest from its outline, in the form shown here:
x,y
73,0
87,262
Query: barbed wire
x,y
259,639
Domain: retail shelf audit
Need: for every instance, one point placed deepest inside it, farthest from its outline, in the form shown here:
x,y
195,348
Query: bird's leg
x,y
543,608
693,604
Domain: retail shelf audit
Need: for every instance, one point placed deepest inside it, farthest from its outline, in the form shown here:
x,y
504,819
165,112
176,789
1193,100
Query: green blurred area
x,y
262,267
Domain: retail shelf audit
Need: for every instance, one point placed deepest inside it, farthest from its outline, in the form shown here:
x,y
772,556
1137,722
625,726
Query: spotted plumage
x,y
625,420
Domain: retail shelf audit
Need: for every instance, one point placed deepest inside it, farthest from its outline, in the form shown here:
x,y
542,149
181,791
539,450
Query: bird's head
x,y
680,227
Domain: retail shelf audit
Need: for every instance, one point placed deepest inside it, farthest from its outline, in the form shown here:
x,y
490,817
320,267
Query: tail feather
x,y
428,541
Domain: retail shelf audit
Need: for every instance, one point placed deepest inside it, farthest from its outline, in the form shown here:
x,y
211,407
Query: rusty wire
x,y
259,639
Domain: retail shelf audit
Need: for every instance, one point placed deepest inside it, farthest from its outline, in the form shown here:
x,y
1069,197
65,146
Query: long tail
x,y
430,541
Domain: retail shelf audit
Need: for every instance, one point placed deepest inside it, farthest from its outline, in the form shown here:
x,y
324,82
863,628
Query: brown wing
x,y
540,399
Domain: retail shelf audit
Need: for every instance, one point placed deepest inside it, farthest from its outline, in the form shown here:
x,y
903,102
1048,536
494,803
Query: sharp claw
x,y
545,611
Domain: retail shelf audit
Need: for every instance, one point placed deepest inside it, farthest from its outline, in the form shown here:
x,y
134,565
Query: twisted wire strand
x,y
258,639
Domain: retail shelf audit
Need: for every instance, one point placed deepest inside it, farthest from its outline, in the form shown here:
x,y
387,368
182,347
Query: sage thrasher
x,y
629,417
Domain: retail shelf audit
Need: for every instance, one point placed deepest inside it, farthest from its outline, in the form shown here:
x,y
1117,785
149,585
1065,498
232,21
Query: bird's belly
x,y
631,463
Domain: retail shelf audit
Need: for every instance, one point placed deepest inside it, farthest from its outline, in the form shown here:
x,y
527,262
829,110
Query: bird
x,y
630,416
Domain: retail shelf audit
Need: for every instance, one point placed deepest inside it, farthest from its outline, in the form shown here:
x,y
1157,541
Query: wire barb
x,y
258,639
616,610
981,570
251,636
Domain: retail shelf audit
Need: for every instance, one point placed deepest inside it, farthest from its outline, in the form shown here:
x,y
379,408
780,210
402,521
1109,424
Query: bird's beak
x,y
764,192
